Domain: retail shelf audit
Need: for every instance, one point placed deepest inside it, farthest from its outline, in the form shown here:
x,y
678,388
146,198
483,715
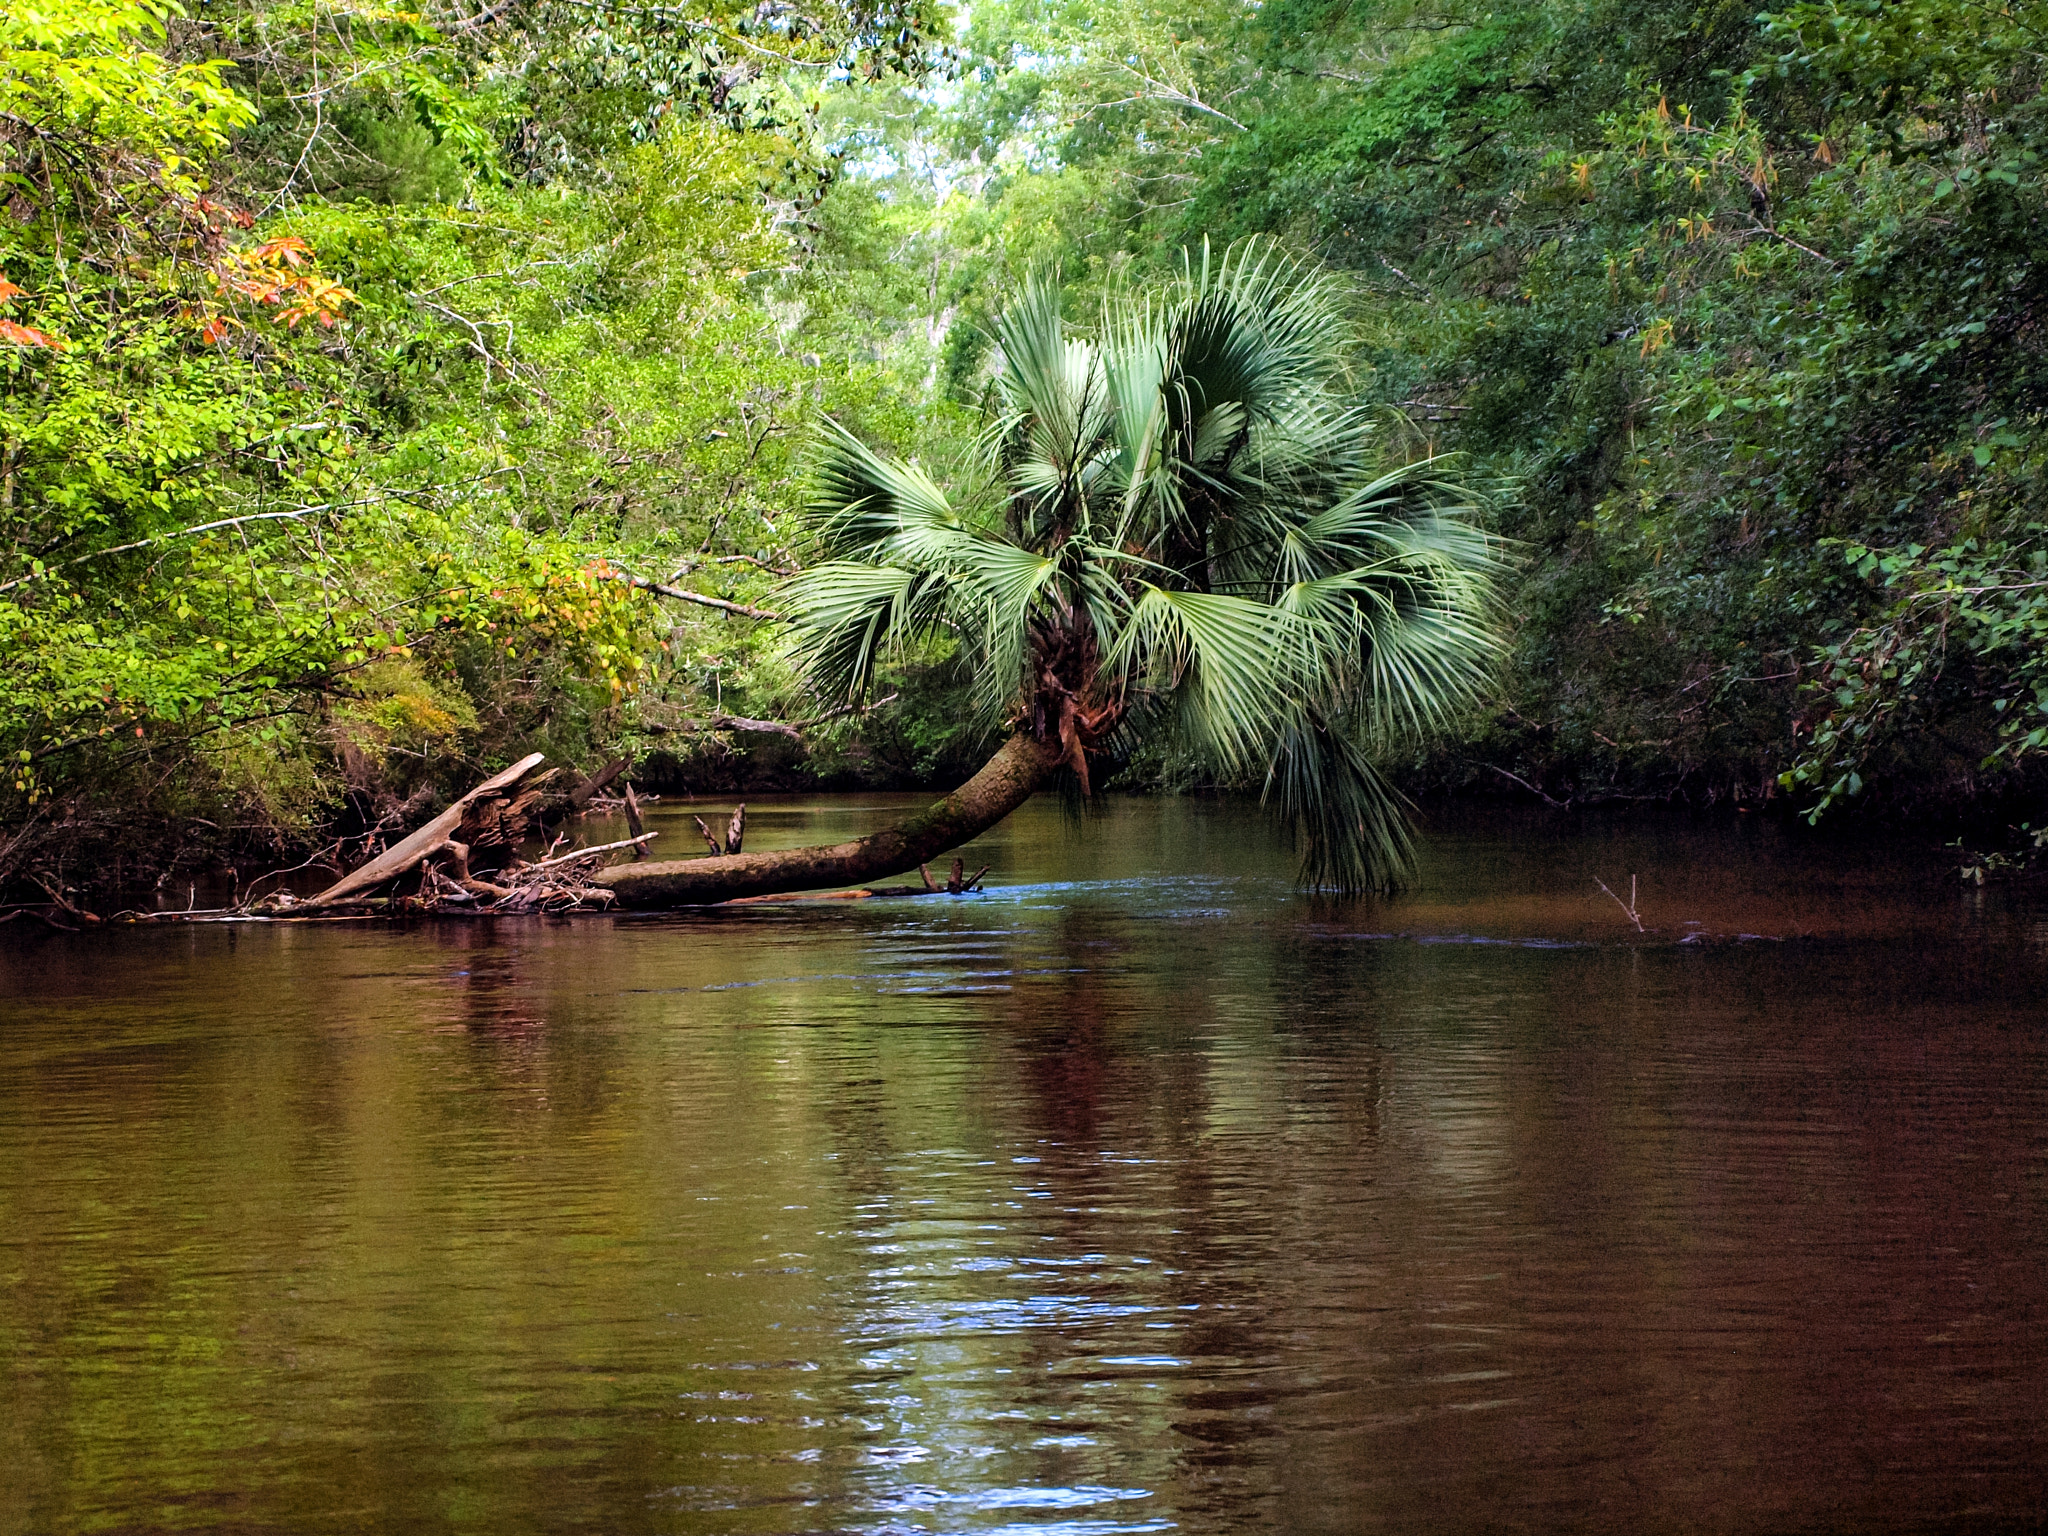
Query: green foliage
x,y
292,499
86,71
1964,634
355,364
1714,289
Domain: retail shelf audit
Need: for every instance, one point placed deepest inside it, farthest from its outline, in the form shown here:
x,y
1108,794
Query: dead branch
x,y
710,837
633,822
759,727
792,729
428,840
1562,805
683,595
571,857
579,797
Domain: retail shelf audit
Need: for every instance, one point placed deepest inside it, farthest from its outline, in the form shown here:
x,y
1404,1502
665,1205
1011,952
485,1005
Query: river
x,y
1140,1193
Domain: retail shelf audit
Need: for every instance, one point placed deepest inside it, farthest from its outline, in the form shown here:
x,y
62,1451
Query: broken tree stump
x,y
710,837
395,861
633,823
494,826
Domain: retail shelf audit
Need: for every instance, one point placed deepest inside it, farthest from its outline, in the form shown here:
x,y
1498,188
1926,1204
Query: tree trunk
x,y
1005,782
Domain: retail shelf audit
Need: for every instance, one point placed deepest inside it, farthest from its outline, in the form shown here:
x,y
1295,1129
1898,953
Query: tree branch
x,y
682,595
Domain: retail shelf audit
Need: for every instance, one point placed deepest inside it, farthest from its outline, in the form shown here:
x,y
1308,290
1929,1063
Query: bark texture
x,y
1005,782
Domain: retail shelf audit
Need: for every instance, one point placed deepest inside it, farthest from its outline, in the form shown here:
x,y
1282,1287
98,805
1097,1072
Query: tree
x,y
1176,527
319,492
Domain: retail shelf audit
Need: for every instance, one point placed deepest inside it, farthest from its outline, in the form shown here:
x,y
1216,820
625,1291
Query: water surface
x,y
1139,1194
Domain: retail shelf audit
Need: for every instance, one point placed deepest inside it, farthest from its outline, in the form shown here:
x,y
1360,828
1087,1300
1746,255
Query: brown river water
x,y
1141,1193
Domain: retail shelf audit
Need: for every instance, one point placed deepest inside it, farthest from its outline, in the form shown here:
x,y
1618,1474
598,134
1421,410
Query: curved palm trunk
x,y
1005,782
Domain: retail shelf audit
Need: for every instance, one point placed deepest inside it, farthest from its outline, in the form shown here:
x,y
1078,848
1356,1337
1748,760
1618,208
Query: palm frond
x,y
1002,589
1352,822
862,506
846,615
1232,666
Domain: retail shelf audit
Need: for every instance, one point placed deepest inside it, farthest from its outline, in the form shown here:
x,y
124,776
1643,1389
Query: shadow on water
x,y
1142,1193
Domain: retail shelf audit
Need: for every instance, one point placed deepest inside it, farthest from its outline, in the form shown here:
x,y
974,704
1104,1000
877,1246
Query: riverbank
x,y
204,873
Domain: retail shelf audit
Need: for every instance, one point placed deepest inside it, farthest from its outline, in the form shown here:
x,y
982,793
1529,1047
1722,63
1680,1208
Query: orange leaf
x,y
29,336
8,290
294,250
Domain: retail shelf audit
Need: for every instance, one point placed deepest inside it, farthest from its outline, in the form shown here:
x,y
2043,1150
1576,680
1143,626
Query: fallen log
x,y
1005,782
759,727
429,840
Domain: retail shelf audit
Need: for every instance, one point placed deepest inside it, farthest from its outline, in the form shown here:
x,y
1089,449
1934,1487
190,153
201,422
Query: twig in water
x,y
1628,907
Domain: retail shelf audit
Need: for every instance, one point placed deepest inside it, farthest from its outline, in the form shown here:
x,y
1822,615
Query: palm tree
x,y
1176,529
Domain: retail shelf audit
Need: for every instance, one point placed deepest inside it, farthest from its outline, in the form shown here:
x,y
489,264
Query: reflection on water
x,y
1140,1194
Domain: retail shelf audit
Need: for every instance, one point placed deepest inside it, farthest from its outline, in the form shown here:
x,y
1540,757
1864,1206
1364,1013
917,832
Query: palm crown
x,y
1177,525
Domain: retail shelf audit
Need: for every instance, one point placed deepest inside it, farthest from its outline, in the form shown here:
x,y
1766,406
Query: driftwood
x,y
634,843
579,797
557,884
428,840
496,826
497,813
